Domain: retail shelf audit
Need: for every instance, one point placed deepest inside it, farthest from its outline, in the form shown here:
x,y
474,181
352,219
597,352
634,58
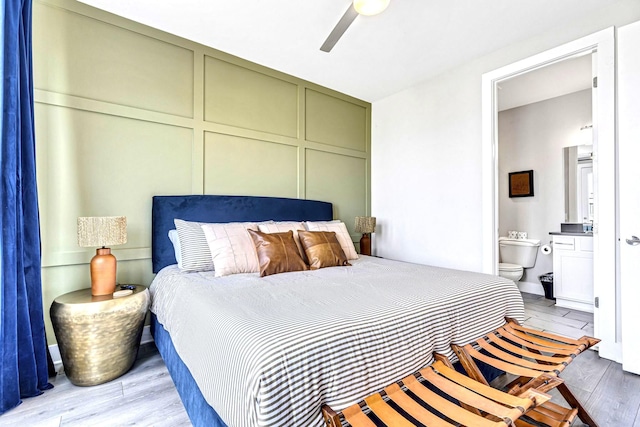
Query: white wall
x,y
533,137
426,153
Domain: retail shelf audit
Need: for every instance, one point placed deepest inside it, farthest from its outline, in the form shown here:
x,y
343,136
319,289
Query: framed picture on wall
x,y
521,184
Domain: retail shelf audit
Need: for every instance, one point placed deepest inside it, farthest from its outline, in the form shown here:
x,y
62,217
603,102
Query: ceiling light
x,y
370,7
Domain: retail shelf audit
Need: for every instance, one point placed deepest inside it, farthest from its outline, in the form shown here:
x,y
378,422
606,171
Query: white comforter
x,y
270,351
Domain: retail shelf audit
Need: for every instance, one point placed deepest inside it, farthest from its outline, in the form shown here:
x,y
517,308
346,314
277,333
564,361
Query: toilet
x,y
515,256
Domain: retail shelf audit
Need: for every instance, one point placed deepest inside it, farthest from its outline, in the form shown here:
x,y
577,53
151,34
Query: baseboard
x,y
531,288
146,335
57,360
54,351
574,305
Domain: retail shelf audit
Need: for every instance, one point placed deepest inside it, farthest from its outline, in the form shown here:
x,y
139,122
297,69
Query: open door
x,y
629,191
605,237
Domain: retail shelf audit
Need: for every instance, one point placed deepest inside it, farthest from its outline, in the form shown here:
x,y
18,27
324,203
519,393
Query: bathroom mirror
x,y
578,183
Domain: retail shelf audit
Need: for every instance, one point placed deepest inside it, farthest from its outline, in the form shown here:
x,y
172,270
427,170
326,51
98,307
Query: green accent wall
x,y
125,112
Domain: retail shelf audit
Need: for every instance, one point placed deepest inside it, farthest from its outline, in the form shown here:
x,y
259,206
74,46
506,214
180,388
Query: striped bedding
x,y
270,351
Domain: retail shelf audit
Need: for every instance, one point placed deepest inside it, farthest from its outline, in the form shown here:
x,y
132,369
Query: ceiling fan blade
x,y
339,29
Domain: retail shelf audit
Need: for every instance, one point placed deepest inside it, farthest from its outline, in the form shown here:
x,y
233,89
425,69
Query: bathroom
x,y
541,113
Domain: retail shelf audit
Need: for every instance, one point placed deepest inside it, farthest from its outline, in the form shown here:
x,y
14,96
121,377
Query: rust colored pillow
x,y
277,252
322,249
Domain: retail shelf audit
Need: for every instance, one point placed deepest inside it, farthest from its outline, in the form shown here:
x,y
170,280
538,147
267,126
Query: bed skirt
x,y
199,411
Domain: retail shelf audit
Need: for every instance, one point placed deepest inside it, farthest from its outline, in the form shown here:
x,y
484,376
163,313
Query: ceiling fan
x,y
358,7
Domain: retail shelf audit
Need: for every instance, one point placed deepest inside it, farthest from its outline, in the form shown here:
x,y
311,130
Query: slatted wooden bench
x,y
527,354
419,400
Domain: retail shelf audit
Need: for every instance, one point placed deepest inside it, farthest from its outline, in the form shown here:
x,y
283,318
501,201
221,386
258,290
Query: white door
x,y
629,167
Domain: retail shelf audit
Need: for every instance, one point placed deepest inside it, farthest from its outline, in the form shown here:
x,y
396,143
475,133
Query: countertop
x,y
568,233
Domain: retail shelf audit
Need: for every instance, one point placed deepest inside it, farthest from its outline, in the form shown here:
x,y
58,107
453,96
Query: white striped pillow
x,y
232,249
342,234
195,254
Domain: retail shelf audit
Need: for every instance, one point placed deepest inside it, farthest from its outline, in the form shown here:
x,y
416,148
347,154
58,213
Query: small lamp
x,y
370,7
365,225
102,231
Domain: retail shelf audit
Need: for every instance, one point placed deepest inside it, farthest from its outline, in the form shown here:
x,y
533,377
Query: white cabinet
x,y
573,272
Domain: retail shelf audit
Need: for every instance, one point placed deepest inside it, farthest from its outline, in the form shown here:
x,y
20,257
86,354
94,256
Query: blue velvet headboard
x,y
224,209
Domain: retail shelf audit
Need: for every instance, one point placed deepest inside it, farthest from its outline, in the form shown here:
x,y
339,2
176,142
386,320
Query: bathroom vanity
x,y
573,270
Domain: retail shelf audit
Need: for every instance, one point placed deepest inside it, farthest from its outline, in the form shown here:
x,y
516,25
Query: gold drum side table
x,y
98,337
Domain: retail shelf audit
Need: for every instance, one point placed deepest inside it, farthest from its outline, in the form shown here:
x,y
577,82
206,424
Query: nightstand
x,y
98,336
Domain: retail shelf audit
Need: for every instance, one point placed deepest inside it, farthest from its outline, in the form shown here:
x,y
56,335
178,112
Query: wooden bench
x,y
439,396
527,354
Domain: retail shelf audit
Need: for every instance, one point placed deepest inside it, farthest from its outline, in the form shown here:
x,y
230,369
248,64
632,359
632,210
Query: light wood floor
x,y
146,395
610,395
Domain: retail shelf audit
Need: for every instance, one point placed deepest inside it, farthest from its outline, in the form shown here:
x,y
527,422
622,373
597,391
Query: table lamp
x,y
102,231
365,225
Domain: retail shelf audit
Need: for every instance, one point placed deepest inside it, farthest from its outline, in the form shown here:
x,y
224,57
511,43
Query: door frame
x,y
606,245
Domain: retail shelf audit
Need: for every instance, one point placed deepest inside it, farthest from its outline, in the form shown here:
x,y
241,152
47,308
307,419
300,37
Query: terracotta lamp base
x,y
103,272
365,244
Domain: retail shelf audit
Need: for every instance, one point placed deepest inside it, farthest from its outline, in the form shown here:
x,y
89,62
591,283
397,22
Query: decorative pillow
x,y
323,249
284,226
341,234
231,247
277,252
309,223
194,250
175,241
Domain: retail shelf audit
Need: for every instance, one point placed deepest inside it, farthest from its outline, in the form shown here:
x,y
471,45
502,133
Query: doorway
x,y
606,284
545,125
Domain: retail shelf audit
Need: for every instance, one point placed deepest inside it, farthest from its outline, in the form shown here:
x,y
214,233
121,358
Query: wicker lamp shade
x,y
102,231
365,224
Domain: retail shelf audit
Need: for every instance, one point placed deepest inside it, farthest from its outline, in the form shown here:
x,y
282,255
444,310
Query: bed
x,y
250,351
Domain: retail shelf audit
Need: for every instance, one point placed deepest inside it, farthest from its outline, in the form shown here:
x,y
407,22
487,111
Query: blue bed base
x,y
199,411
212,209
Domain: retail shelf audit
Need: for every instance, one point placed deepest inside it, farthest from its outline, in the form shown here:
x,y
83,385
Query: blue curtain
x,y
23,351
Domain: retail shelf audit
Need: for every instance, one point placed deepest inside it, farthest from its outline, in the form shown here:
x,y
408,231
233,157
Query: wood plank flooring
x,y
610,395
146,395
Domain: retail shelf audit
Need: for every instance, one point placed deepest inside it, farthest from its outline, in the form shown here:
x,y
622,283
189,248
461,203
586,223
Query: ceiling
x,y
561,78
411,41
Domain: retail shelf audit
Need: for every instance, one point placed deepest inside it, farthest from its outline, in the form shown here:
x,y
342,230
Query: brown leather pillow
x,y
277,252
322,249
